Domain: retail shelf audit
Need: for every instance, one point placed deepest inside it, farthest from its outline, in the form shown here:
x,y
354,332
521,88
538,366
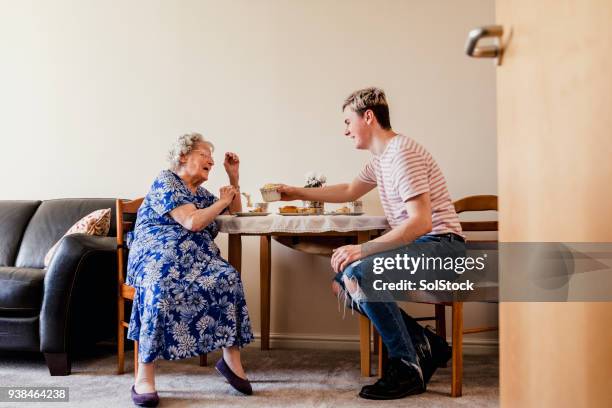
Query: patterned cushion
x,y
95,223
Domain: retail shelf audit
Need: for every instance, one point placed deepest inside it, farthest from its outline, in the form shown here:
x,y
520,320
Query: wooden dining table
x,y
315,234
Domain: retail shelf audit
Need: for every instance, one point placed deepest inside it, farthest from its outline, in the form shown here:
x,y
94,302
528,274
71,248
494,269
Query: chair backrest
x,y
477,203
126,221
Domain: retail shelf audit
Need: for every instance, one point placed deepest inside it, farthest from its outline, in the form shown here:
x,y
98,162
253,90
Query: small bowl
x,y
263,206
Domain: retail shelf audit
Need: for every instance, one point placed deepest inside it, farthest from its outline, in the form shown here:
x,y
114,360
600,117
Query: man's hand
x,y
344,256
232,165
289,193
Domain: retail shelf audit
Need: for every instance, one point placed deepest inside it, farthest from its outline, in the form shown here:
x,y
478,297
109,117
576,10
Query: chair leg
x,y
120,350
203,360
120,335
375,340
135,359
364,345
441,322
382,358
457,376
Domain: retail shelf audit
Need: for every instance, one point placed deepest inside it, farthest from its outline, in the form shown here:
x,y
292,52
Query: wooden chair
x,y
126,220
467,204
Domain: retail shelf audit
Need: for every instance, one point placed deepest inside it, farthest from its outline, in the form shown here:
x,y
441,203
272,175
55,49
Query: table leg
x,y
363,236
265,269
235,251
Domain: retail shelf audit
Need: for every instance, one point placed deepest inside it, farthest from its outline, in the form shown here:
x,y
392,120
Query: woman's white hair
x,y
183,145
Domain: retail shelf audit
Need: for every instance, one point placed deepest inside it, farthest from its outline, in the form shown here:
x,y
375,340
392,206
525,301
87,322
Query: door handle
x,y
485,51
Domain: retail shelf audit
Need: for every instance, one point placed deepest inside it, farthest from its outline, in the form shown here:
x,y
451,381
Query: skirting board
x,y
471,346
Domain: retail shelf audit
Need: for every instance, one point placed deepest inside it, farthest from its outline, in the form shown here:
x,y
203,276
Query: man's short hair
x,y
373,99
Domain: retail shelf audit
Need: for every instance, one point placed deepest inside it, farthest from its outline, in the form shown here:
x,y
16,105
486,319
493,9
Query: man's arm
x,y
337,193
418,224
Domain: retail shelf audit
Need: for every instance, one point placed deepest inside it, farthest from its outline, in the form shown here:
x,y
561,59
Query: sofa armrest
x,y
75,265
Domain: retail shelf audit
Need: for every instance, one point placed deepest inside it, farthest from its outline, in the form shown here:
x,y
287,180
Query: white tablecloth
x,y
299,224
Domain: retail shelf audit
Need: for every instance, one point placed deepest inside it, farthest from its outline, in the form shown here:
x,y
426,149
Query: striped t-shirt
x,y
404,170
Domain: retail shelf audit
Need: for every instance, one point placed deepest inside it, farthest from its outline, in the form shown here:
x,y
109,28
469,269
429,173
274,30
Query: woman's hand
x,y
288,193
232,164
344,256
227,193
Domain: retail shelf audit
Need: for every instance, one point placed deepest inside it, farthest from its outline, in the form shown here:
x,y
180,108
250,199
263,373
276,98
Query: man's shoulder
x,y
405,146
407,143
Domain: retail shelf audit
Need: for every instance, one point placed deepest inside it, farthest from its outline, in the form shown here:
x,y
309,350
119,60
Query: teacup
x,y
356,206
263,206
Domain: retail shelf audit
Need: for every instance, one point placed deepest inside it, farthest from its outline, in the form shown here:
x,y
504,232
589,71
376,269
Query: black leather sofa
x,y
72,304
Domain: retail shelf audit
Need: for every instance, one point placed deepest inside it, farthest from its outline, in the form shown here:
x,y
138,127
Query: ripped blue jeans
x,y
387,316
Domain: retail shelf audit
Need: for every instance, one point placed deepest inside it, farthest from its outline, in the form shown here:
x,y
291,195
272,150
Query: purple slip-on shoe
x,y
240,384
149,399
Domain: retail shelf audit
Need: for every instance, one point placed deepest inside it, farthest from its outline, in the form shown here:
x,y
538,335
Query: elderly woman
x,y
189,300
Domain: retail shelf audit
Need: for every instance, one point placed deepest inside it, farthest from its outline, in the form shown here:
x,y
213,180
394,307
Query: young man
x,y
419,210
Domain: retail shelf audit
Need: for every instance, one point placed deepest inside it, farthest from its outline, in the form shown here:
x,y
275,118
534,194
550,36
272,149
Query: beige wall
x,y
81,80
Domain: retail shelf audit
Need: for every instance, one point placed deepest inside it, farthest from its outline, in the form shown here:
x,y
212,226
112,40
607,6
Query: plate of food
x,y
252,213
343,211
292,210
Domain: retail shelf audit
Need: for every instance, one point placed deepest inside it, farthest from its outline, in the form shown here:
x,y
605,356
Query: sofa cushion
x,y
14,218
21,291
96,223
51,221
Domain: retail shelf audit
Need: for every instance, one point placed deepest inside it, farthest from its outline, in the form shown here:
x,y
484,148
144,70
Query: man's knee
x,y
350,284
352,287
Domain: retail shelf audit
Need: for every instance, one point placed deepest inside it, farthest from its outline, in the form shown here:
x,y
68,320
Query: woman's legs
x,y
231,355
145,379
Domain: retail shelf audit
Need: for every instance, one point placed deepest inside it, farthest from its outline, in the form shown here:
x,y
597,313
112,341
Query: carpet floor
x,y
280,378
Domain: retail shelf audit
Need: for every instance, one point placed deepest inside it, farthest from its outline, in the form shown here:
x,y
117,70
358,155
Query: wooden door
x,y
555,184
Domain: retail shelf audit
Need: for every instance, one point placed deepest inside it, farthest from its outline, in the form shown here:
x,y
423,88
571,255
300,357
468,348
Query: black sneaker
x,y
399,380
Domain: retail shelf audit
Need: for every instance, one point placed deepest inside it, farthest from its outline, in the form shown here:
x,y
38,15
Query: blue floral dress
x,y
188,301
